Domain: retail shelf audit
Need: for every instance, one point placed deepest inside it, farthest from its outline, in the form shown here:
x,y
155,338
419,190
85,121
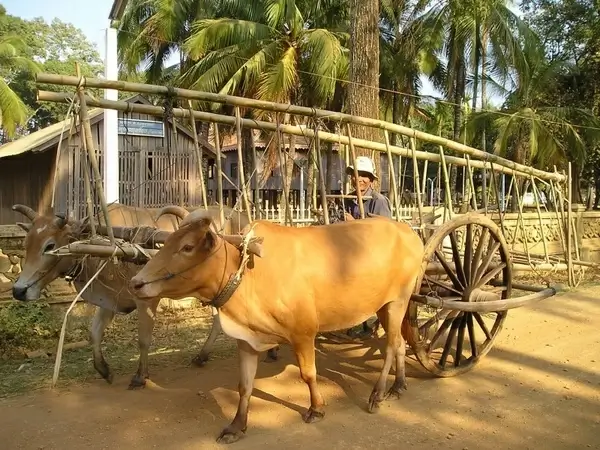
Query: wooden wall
x,y
24,181
153,172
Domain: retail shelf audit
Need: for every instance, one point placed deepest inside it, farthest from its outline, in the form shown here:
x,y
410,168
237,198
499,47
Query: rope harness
x,y
234,281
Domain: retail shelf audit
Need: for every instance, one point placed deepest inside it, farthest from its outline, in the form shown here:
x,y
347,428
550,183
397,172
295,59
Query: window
x,y
211,168
233,170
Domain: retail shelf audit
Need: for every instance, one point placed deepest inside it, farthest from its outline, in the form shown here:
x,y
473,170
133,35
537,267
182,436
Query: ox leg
x,y
395,347
146,316
201,358
102,319
248,364
305,353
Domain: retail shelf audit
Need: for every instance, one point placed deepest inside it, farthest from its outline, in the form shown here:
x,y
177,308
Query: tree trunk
x,y
363,89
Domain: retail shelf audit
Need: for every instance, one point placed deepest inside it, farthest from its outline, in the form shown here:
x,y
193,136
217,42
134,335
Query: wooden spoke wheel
x,y
466,259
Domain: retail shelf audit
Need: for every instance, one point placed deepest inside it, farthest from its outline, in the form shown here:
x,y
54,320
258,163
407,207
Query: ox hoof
x,y
374,401
200,359
104,371
137,382
396,389
229,436
312,416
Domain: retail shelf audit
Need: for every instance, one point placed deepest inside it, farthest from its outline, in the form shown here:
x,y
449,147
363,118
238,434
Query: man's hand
x,y
348,216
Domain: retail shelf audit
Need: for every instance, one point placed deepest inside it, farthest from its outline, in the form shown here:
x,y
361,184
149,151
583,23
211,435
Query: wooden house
x,y
157,166
271,191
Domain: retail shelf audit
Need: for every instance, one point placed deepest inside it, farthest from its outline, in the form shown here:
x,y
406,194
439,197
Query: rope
x,y
61,340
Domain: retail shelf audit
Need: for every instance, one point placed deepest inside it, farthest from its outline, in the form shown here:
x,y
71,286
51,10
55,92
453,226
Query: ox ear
x,y
24,226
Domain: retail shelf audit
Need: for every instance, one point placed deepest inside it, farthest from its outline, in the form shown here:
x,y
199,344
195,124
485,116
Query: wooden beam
x,y
65,80
291,129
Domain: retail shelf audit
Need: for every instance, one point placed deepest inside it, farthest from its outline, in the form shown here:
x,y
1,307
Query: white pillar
x,y
111,136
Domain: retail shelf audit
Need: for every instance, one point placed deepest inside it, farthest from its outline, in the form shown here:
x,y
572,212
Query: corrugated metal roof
x,y
117,9
40,140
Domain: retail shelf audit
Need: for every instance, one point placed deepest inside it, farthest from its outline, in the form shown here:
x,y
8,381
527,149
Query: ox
x,y
308,280
107,291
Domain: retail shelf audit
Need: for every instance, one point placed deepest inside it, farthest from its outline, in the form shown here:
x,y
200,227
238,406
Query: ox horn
x,y
26,211
60,221
175,210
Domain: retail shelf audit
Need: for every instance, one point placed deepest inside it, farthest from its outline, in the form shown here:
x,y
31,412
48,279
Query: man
x,y
378,204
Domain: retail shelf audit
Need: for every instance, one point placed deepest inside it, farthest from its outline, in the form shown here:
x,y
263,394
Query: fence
x,y
303,216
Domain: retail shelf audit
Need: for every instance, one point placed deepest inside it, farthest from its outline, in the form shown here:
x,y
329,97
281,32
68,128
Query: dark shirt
x,y
378,205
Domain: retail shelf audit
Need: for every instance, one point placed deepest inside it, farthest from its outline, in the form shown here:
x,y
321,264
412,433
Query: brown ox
x,y
109,291
308,280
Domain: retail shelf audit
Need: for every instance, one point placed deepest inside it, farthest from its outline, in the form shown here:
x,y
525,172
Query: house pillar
x,y
111,121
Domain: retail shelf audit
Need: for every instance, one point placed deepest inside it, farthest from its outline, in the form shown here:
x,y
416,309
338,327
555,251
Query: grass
x,y
178,336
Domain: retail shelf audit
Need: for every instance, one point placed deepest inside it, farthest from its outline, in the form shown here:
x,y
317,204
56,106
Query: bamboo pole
x,y
219,173
392,174
449,205
91,153
416,186
88,185
66,80
321,175
555,201
257,200
198,151
501,213
570,226
120,105
241,176
361,207
86,173
424,180
536,198
472,190
520,221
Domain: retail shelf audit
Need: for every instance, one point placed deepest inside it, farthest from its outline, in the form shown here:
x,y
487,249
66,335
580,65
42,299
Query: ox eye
x,y
49,247
187,248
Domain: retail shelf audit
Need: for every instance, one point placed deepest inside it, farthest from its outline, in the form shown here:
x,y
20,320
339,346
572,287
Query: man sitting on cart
x,y
378,204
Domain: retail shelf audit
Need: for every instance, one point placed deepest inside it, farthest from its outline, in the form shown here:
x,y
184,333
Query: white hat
x,y
363,164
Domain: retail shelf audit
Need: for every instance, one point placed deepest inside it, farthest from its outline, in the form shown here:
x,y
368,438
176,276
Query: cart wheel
x,y
466,259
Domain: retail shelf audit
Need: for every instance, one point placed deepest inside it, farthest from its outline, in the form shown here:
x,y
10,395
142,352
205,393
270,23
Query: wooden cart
x,y
466,283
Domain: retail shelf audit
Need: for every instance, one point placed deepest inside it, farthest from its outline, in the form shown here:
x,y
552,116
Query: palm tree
x,y
263,49
532,129
13,112
268,50
151,31
477,36
404,55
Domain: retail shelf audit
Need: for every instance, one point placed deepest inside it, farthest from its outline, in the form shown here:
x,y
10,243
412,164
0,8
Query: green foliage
x,y
25,326
55,48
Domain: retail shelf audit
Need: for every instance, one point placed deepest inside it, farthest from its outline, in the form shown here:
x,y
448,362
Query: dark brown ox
x,y
308,280
109,291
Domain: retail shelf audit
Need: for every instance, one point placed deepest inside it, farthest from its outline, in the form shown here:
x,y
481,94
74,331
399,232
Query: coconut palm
x,y
13,112
532,129
265,50
405,54
152,31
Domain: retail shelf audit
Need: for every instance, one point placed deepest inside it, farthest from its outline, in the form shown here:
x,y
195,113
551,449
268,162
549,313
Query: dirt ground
x,y
539,387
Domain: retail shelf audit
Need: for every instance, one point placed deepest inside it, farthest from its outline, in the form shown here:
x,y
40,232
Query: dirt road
x,y
538,388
